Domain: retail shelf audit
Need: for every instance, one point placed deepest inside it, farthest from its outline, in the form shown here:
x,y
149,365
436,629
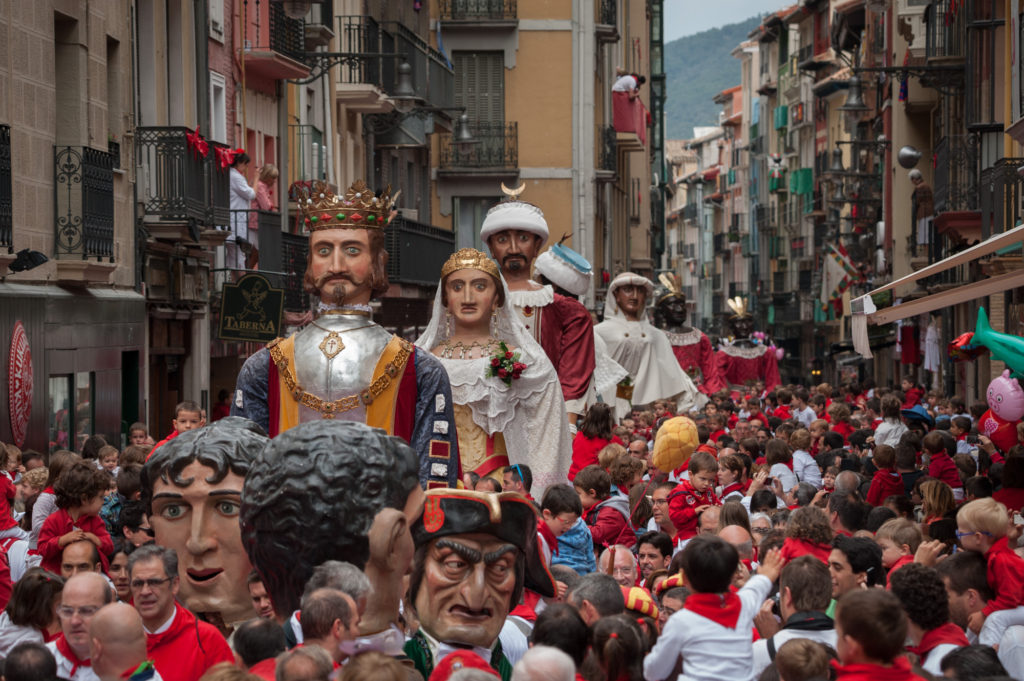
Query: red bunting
x,y
225,157
196,144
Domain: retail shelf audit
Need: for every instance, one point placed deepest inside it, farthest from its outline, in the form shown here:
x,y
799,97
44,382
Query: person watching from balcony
x,y
628,82
242,195
266,186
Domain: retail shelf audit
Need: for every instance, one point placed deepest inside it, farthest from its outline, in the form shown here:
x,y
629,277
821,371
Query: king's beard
x,y
333,288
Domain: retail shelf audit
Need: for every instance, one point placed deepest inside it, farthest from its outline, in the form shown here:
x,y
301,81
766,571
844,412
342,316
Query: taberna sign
x,y
250,310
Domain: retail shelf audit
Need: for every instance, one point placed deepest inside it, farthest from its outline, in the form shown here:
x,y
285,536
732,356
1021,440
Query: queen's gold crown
x,y
359,208
470,259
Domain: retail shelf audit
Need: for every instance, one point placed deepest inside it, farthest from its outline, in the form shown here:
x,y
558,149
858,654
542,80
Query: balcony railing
x,y
416,251
433,80
307,155
690,211
946,31
176,183
607,20
1002,191
956,173
6,191
294,254
84,202
478,10
287,35
363,35
609,157
630,116
498,148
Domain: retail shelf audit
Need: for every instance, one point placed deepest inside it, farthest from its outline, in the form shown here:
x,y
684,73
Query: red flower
x,y
508,355
502,373
519,366
495,361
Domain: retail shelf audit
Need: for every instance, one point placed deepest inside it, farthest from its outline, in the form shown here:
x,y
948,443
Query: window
x,y
480,85
218,109
469,215
61,417
84,410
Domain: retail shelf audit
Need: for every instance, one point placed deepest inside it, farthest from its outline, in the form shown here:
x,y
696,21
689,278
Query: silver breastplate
x,y
335,357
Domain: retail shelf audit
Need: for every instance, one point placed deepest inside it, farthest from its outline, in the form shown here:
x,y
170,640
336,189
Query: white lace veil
x,y
507,328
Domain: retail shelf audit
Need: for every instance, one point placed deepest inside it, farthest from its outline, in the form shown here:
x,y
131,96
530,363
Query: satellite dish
x,y
908,157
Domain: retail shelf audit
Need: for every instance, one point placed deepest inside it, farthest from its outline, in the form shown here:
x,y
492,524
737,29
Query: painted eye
x,y
228,507
172,511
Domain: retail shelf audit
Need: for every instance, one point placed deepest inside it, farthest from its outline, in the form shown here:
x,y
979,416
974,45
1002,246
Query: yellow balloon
x,y
676,441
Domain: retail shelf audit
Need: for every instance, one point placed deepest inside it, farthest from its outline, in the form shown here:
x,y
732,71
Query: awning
x,y
863,305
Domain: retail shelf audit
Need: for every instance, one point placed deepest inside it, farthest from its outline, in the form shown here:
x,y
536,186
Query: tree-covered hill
x,y
698,67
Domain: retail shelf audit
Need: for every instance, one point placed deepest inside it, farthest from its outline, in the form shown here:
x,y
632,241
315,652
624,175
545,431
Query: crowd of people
x,y
854,533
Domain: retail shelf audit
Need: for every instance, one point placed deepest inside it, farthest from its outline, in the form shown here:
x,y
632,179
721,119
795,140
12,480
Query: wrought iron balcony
x,y
946,32
249,225
607,21
478,10
498,148
84,202
6,191
1002,191
176,184
416,251
956,173
294,256
432,79
275,45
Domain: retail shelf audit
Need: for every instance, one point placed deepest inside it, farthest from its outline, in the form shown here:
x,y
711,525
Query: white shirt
x,y
1011,651
710,651
64,666
626,83
933,660
806,468
805,416
889,432
785,476
761,657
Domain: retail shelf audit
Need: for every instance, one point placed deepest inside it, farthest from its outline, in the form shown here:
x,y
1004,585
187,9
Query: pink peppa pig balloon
x,y
1006,398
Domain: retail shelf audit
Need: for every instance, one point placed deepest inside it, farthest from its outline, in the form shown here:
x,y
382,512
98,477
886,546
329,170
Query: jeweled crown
x,y
359,208
470,259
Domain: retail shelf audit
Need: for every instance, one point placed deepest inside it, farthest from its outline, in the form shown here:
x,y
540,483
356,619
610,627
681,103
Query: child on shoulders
x,y
691,497
713,631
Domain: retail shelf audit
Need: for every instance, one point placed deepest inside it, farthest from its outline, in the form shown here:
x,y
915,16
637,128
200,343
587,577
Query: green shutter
x,y
480,85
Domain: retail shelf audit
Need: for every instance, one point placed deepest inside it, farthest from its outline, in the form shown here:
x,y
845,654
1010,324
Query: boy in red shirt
x,y
606,514
79,491
898,538
941,465
782,412
871,628
981,526
690,497
886,481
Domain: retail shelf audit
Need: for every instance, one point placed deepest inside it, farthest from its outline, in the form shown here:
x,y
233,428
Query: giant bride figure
x,y
500,420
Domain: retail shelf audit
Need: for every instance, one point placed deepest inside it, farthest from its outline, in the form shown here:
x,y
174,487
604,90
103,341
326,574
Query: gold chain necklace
x,y
332,344
448,348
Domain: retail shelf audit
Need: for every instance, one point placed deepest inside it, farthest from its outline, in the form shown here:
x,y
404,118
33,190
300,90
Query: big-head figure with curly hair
x,y
342,365
332,490
192,491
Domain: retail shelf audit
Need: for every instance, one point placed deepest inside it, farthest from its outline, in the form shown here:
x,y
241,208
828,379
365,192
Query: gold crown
x,y
470,259
358,209
738,306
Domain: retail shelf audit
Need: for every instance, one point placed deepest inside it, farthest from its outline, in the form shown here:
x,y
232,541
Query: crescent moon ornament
x,y
513,193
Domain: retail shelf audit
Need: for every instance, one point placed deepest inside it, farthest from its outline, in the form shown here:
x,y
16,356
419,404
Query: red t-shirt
x,y
60,523
585,449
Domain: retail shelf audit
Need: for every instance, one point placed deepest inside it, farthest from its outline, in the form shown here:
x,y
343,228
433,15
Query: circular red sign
x,y
20,383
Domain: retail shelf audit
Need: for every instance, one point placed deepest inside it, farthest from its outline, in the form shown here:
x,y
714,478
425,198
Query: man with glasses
x,y
84,594
660,522
181,647
623,569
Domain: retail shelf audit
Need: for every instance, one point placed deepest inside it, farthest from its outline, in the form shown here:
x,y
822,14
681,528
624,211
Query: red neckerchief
x,y
723,609
65,649
48,637
947,633
734,487
527,610
789,464
899,670
548,535
900,563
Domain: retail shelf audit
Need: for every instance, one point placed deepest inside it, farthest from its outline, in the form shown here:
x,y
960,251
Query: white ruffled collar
x,y
533,298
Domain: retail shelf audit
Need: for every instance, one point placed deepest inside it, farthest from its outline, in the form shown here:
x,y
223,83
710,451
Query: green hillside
x,y
697,68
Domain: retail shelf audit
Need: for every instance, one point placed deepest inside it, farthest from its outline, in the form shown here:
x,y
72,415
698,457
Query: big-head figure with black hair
x,y
332,490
